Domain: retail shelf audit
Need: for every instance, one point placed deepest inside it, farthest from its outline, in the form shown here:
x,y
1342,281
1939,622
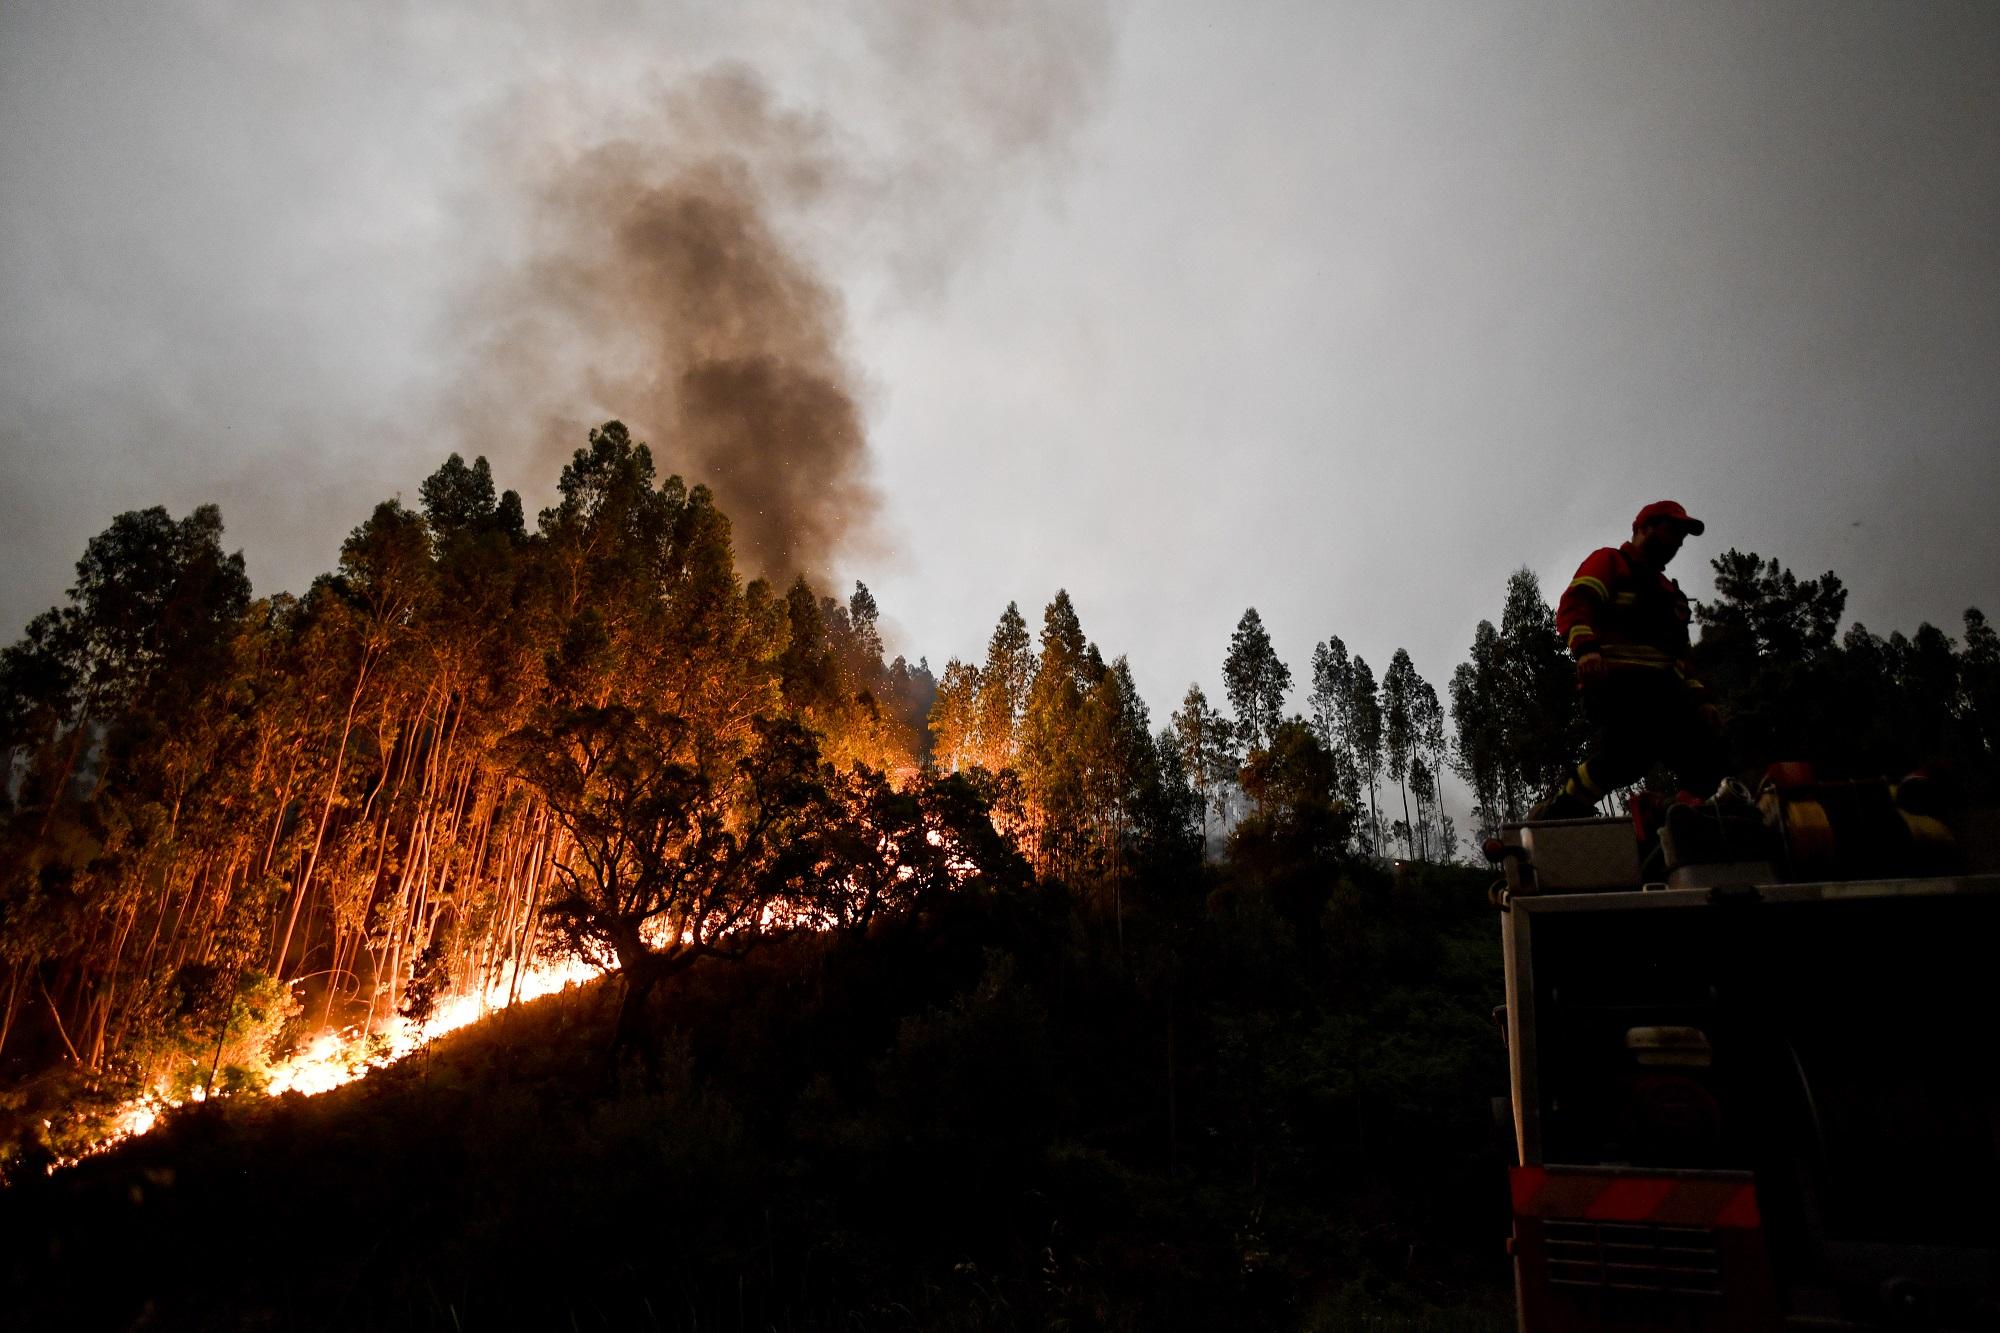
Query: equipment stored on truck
x,y
1754,1053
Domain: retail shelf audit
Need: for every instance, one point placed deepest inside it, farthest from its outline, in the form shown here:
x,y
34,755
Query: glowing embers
x,y
331,1059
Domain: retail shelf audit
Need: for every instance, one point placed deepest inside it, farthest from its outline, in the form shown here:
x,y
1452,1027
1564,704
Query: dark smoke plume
x,y
664,277
657,291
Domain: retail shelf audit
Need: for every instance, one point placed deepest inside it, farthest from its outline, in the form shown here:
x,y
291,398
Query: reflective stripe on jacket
x,y
1623,608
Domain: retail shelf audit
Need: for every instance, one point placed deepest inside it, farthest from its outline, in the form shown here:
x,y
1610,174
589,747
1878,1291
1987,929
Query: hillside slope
x,y
1252,1112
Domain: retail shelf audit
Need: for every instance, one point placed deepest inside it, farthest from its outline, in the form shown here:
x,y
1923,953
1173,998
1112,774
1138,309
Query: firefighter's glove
x,y
1591,669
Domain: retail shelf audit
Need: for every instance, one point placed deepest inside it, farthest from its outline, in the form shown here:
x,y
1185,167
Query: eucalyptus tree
x,y
1206,744
1004,682
1119,767
115,705
907,694
1291,842
1256,680
1479,718
1979,671
1368,742
1399,734
1430,746
1544,725
379,779
1513,705
1331,700
809,668
1066,670
147,629
954,717
860,721
366,623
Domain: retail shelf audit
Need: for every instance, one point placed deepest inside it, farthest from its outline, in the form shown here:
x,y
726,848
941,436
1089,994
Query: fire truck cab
x,y
1740,1099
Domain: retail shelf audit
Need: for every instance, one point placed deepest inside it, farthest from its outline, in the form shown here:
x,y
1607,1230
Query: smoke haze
x,y
658,291
1342,311
285,257
668,277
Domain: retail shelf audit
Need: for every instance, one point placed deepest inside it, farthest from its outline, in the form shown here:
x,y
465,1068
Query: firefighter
x,y
1626,624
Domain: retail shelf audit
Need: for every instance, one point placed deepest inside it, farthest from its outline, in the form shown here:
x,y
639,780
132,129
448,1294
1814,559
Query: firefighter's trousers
x,y
1641,717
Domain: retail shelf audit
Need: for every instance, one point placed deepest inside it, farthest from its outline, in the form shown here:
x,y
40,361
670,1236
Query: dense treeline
x,y
1054,1018
469,741
231,820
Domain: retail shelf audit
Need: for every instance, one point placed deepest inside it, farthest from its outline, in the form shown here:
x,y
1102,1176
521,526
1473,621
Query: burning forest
x,y
583,912
982,961
266,845
255,842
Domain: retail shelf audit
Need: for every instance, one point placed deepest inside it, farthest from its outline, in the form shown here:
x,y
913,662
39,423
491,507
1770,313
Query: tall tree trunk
x,y
278,820
640,975
325,814
1374,820
538,864
56,1014
61,787
1409,842
16,974
109,992
1173,1094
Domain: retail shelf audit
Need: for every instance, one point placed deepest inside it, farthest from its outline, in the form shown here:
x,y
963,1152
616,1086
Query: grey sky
x,y
1339,310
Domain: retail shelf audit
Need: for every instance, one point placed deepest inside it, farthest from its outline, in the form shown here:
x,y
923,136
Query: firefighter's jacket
x,y
1633,614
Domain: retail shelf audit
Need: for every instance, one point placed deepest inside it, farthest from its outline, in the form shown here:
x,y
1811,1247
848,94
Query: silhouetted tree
x,y
1544,725
1479,716
1399,732
1256,681
1206,744
1369,741
674,855
1289,844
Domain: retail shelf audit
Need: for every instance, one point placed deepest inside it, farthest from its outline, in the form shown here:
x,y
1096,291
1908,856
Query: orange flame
x,y
332,1059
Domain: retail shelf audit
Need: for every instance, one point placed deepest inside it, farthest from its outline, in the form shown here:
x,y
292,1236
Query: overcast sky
x,y
1339,310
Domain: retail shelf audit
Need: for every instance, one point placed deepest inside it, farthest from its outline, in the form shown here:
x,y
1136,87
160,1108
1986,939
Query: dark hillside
x,y
1257,1112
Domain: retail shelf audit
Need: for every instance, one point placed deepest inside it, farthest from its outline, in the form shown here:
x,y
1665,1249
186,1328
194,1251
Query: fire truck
x,y
1754,1049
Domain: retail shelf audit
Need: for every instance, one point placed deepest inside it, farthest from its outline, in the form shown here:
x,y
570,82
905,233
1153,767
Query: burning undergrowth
x,y
398,786
263,1051
259,1064
991,1113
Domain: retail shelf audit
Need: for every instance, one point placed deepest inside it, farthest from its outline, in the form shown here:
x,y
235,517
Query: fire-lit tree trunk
x,y
673,856
325,814
16,974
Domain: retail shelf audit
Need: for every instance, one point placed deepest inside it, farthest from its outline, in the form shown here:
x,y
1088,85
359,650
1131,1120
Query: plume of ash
x,y
657,291
664,274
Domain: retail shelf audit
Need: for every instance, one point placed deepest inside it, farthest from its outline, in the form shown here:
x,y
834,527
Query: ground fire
x,y
271,847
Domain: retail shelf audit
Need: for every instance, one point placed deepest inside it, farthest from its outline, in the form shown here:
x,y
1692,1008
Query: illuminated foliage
x,y
676,851
478,740
414,772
